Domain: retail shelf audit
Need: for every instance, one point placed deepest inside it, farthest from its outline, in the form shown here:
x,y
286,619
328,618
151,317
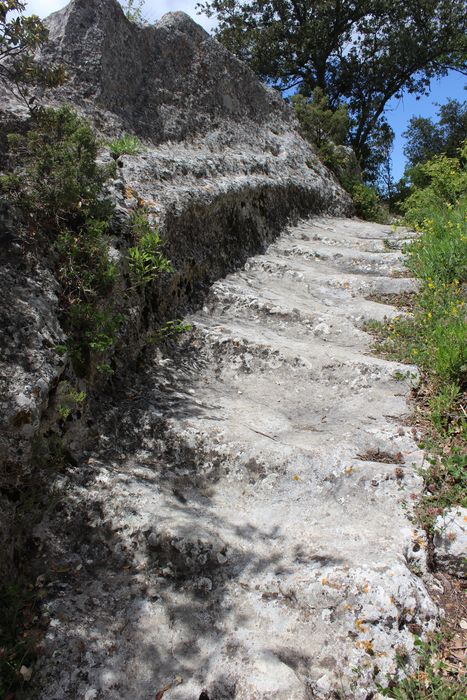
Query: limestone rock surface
x,y
240,520
450,541
230,518
221,171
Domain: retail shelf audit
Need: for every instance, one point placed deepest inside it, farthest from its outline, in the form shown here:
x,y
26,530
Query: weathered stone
x,y
222,171
232,522
450,541
241,471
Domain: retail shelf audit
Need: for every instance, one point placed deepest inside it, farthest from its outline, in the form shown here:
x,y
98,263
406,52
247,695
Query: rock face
x,y
222,171
450,541
229,517
240,525
170,81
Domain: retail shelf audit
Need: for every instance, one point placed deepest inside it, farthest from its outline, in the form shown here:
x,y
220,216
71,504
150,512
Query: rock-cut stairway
x,y
241,526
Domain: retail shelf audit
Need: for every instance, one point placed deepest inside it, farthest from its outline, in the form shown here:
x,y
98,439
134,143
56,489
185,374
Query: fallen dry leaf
x,y
160,693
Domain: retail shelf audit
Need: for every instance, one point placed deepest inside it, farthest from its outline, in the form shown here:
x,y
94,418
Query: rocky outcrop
x,y
222,171
239,527
226,514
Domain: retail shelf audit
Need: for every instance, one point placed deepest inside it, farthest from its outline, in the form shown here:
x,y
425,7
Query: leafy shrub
x,y
20,37
439,255
438,184
58,186
126,145
439,259
91,331
327,130
367,202
145,259
434,335
55,177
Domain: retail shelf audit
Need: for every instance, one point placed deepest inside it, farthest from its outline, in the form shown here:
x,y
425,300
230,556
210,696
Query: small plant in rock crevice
x,y
69,399
145,258
170,329
431,681
125,145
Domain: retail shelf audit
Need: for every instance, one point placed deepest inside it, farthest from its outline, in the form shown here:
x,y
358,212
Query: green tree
x,y
20,37
377,158
359,52
319,122
426,138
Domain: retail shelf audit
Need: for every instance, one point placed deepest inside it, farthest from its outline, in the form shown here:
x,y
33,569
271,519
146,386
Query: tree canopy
x,y
427,138
359,52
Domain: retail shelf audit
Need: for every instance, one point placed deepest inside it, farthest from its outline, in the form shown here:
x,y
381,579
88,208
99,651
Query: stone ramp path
x,y
241,525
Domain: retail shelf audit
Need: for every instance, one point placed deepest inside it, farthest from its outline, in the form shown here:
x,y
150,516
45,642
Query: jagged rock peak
x,y
169,81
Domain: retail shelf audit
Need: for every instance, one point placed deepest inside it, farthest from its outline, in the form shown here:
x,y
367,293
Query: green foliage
x,y
446,479
440,406
104,368
437,185
431,681
426,138
69,399
126,145
20,37
133,10
55,177
367,202
87,278
168,330
328,128
85,269
92,331
434,336
376,158
145,259
321,124
360,53
57,185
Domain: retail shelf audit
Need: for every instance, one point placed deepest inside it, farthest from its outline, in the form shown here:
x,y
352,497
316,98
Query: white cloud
x,y
153,9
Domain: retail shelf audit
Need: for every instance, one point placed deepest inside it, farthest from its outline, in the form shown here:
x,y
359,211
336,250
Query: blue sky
x,y
400,110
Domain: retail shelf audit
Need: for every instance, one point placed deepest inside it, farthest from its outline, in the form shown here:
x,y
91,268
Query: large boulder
x,y
222,171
